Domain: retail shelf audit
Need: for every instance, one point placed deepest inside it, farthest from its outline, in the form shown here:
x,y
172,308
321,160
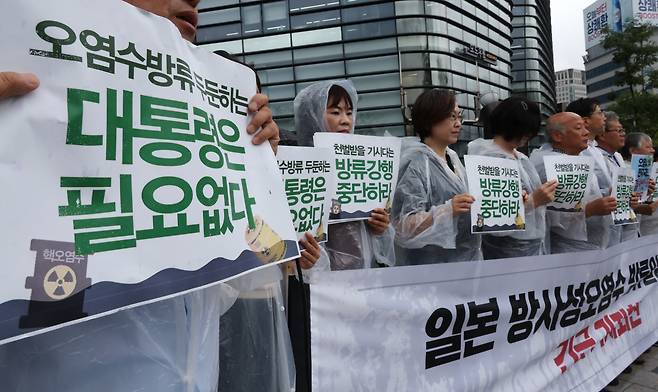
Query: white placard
x,y
125,180
623,183
309,178
572,174
495,184
366,173
641,165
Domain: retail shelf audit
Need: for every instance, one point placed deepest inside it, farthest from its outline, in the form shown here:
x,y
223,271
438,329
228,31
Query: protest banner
x,y
641,165
572,174
623,184
542,323
127,175
496,185
309,180
366,173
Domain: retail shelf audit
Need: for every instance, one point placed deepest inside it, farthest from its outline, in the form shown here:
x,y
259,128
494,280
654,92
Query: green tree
x,y
635,50
638,113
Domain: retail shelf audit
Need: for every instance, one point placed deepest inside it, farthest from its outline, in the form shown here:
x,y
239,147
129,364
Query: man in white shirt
x,y
574,231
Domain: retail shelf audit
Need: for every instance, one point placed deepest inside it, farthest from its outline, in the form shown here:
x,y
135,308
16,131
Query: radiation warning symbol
x,y
59,282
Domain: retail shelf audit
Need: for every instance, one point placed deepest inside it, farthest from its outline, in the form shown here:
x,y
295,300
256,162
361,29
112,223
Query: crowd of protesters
x,y
233,336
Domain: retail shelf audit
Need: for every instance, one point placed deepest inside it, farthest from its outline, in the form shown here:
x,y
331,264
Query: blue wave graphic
x,y
22,316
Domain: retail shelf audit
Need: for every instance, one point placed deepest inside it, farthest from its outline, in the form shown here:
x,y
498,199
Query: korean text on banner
x,y
572,174
543,323
496,185
623,183
128,170
309,180
366,173
641,165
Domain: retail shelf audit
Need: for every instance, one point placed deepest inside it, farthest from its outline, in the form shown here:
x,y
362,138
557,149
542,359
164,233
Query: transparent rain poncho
x,y
174,345
572,231
351,245
648,224
604,168
169,345
427,232
529,242
255,352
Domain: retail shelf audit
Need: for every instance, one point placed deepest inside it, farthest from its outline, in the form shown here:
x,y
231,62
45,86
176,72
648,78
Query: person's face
x,y
182,13
614,136
645,148
596,122
339,118
575,135
446,132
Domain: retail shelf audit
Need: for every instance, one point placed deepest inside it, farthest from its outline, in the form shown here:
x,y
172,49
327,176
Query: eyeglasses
x,y
456,116
620,130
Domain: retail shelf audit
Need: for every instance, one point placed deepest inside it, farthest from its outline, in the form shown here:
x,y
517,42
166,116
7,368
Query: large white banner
x,y
127,176
551,323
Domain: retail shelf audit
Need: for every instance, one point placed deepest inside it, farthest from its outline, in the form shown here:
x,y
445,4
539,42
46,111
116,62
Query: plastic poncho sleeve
x,y
383,248
172,343
320,266
417,224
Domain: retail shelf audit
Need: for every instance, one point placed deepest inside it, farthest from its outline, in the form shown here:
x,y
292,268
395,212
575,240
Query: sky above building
x,y
568,33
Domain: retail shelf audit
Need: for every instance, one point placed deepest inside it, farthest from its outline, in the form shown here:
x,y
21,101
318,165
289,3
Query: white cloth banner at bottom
x,y
569,322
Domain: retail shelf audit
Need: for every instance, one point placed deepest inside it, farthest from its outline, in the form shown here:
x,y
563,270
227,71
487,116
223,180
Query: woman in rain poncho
x,y
330,106
431,205
513,123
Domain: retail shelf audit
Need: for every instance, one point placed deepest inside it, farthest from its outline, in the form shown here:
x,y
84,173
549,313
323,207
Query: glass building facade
x,y
384,47
533,74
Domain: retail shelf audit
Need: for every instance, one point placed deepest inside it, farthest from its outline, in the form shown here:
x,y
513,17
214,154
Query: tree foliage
x,y
638,113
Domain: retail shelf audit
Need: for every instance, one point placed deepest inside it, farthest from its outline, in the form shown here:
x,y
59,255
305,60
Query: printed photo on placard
x,y
654,177
129,181
641,165
496,185
572,174
623,184
309,180
366,173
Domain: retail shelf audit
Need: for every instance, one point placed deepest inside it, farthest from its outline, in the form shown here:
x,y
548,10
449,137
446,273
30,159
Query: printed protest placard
x,y
127,176
366,173
623,184
641,165
572,174
654,177
309,180
496,185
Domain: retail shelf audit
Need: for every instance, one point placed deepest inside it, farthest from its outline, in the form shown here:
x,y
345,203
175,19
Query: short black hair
x,y
584,107
336,95
430,108
515,118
